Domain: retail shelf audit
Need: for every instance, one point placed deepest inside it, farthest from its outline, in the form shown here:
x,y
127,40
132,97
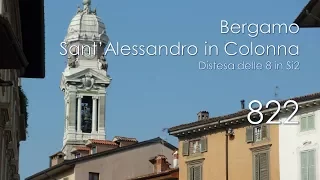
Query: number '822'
x,y
287,121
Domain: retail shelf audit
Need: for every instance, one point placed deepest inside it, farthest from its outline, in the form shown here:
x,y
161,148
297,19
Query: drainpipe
x,y
227,154
227,150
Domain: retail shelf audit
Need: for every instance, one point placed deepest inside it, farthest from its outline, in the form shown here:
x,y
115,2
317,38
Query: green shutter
x,y
249,134
304,165
303,124
264,131
310,123
197,173
256,167
191,173
264,166
203,145
311,165
185,148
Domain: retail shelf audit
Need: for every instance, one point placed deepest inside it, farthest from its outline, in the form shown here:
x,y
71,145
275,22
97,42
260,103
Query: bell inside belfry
x,y
86,114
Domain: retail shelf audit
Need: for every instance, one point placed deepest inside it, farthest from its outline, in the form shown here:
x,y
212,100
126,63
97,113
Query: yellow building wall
x,y
240,156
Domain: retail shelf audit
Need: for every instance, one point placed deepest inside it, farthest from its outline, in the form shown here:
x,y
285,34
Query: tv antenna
x,y
164,138
276,92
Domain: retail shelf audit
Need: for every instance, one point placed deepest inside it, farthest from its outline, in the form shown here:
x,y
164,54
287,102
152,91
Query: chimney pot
x,y
242,104
161,164
203,115
175,159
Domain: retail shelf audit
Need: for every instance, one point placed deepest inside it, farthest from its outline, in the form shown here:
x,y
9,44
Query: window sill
x,y
261,148
258,143
307,132
194,157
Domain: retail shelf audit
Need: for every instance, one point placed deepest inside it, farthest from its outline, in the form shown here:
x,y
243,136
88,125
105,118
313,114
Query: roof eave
x,y
195,129
51,171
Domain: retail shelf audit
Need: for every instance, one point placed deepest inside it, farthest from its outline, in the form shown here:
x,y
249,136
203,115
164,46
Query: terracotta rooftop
x,y
155,175
82,148
104,142
241,113
125,139
57,153
69,163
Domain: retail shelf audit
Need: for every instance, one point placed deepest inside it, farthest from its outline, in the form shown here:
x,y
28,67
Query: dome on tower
x,y
86,26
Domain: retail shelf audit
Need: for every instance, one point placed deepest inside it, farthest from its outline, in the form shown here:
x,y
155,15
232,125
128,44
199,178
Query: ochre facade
x,y
240,156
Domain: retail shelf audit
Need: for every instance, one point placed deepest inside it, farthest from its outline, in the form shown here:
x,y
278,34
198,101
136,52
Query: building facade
x,y
299,144
18,59
122,162
84,80
227,147
162,169
301,153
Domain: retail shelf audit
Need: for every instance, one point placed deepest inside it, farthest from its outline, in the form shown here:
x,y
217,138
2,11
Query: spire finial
x,y
86,5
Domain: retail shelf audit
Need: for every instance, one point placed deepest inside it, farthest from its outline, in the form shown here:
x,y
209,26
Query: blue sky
x,y
151,93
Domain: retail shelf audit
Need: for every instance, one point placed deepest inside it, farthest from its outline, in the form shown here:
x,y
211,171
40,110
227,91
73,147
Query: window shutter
x,y
303,124
203,145
310,123
185,148
256,167
264,131
311,165
191,170
249,134
304,165
264,166
197,173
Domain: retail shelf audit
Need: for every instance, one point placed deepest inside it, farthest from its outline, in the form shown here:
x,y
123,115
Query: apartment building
x,y
299,149
227,147
230,148
21,56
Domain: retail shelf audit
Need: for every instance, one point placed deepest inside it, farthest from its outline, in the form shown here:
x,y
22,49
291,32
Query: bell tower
x,y
85,79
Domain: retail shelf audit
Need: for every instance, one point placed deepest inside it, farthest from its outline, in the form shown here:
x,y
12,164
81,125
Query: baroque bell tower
x,y
85,79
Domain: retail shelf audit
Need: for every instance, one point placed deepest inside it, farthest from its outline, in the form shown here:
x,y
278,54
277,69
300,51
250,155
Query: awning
x,y
310,15
11,53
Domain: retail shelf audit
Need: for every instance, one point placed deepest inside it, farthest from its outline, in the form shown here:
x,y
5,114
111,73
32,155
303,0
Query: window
x,y
195,146
78,155
261,166
308,166
256,133
195,172
94,150
307,123
93,176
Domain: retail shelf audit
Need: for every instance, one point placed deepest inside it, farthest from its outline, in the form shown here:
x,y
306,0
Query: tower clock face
x,y
89,52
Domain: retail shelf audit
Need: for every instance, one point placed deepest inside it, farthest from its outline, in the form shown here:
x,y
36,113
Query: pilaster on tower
x,y
85,79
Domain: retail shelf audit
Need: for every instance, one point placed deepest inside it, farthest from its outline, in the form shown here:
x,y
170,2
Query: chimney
x,y
160,163
203,115
175,159
242,104
124,141
56,158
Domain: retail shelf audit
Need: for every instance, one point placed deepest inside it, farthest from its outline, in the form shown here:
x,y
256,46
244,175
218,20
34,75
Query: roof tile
x,y
104,142
242,112
125,139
